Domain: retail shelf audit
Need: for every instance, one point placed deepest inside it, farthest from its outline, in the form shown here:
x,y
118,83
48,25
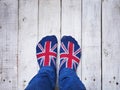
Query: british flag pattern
x,y
47,53
69,55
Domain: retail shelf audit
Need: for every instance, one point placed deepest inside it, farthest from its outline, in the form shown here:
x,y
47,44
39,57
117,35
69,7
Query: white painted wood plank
x,y
28,28
8,44
71,21
111,44
91,44
49,20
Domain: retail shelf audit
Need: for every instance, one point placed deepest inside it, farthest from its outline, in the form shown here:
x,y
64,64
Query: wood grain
x,y
111,44
8,44
91,44
28,28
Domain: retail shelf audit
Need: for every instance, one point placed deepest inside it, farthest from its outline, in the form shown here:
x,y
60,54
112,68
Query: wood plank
x,y
49,20
28,29
71,21
111,44
8,44
91,44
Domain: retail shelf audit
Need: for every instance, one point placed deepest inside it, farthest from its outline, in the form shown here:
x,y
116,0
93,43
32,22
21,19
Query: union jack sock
x,y
46,51
70,53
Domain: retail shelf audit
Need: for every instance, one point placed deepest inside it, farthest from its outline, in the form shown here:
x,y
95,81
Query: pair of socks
x,y
70,52
46,52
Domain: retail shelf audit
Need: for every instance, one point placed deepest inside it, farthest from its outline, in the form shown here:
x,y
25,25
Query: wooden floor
x,y
95,24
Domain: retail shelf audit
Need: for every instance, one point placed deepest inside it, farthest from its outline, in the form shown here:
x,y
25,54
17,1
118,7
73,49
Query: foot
x,y
70,53
46,52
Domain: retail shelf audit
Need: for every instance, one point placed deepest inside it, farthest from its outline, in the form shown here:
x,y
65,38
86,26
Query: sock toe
x,y
70,53
46,51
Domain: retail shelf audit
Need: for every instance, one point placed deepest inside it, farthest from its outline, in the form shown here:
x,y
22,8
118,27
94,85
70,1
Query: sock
x,y
46,51
70,53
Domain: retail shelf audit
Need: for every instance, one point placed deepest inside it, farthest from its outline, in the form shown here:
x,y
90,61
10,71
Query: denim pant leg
x,y
68,80
44,80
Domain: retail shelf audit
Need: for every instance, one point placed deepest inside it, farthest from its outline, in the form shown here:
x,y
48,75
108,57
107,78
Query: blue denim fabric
x,y
46,79
68,80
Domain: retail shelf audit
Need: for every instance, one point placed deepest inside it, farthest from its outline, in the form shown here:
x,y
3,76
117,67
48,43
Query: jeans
x,y
46,80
